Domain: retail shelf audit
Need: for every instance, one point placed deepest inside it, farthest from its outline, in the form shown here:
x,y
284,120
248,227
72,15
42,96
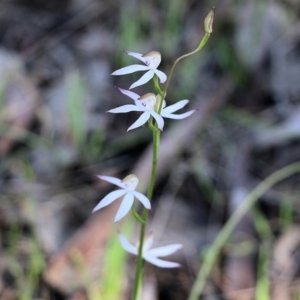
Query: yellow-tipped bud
x,y
208,21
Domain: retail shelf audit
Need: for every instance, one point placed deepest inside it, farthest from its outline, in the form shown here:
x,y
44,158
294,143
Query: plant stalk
x,y
201,45
139,265
156,142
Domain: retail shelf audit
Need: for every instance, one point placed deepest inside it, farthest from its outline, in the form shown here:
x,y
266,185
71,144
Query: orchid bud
x,y
208,21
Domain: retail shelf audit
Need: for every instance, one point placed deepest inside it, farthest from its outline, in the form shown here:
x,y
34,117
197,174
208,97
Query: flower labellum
x,y
152,60
127,191
151,255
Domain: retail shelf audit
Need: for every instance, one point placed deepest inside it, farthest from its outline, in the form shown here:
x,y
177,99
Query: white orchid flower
x,y
152,60
128,186
151,255
166,112
145,104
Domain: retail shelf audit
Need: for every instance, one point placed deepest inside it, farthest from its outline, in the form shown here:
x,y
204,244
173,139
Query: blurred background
x,y
56,58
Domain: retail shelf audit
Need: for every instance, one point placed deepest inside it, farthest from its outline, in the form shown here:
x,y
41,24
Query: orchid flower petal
x,y
130,94
161,75
137,55
164,251
108,199
144,79
161,263
125,206
125,109
130,69
140,121
133,96
179,116
113,180
148,242
126,245
174,107
143,199
159,120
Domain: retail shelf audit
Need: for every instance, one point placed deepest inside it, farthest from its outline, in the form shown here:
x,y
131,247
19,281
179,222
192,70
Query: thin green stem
x,y
214,250
201,45
157,86
139,266
137,216
151,126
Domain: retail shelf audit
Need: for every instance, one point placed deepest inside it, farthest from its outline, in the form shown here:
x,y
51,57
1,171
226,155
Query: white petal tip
x,y
133,86
116,220
94,210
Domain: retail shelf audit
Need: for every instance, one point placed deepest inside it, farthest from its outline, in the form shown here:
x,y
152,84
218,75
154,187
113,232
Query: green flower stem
x,y
157,86
201,45
139,265
137,216
151,126
214,250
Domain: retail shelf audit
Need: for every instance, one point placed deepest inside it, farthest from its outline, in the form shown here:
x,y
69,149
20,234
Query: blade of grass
x,y
76,112
262,291
264,230
224,234
286,213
